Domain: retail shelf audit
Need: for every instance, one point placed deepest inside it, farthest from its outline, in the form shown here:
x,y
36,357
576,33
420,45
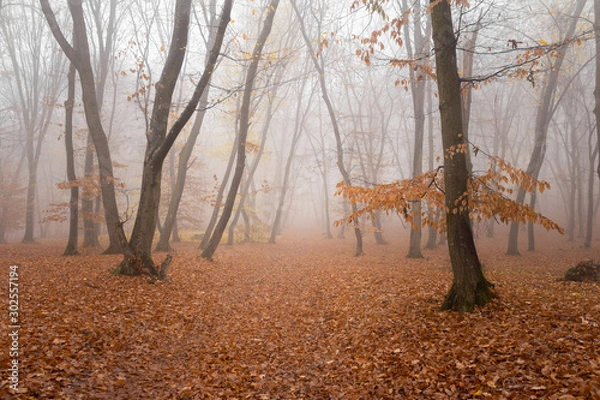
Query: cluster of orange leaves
x,y
488,196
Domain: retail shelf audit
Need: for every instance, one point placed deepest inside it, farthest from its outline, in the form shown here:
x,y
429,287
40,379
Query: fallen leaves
x,y
304,319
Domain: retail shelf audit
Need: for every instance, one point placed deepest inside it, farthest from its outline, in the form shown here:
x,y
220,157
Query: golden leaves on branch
x,y
488,196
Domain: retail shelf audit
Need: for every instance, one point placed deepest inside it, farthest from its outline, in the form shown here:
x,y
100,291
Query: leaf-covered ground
x,y
303,319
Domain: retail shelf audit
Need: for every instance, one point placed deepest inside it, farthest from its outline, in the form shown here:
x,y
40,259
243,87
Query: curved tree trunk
x,y
217,234
469,288
170,224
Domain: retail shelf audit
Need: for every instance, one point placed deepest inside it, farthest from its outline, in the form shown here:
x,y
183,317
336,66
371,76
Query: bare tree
x,y
545,112
138,250
251,72
37,82
319,65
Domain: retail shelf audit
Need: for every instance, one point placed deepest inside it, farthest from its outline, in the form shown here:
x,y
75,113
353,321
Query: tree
x,y
35,85
71,248
137,250
186,152
546,109
597,89
319,65
217,234
417,86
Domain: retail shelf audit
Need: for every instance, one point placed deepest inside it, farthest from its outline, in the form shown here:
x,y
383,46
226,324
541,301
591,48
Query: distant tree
x,y
545,111
35,84
319,65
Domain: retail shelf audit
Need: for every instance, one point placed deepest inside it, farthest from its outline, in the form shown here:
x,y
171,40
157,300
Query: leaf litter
x,y
303,319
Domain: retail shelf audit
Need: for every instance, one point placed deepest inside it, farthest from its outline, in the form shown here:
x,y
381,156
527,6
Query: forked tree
x,y
137,250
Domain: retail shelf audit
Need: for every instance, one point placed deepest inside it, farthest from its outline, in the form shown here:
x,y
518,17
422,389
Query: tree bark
x,y
469,288
597,89
184,158
593,154
217,234
71,248
80,57
159,141
417,86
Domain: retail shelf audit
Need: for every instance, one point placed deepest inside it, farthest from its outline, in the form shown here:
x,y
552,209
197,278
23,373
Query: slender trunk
x,y
71,248
170,224
80,57
90,231
336,130
545,112
597,83
28,237
250,172
417,86
469,288
243,133
587,243
298,127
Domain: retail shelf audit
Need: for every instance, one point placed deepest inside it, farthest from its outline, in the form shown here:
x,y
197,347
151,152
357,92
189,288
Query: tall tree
x,y
417,87
251,72
470,288
71,248
546,109
186,152
36,82
319,65
597,88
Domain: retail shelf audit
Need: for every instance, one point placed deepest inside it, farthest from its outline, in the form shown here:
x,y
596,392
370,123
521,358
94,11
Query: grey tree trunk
x,y
170,224
217,234
545,112
319,67
417,86
71,248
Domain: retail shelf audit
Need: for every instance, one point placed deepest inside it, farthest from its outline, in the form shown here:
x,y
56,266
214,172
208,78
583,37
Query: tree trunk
x,y
597,88
593,154
170,224
545,112
80,57
298,127
71,248
417,86
90,230
336,130
469,288
252,169
159,142
217,234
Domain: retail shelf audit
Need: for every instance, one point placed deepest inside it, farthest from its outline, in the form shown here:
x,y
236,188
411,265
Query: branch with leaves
x,y
488,196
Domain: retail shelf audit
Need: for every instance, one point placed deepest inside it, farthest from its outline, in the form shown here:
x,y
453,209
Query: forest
x,y
298,199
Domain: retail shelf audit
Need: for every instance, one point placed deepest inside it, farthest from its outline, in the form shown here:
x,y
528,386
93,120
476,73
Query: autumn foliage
x,y
489,196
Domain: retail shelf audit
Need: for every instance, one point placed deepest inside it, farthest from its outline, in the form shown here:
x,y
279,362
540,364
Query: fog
x,y
516,50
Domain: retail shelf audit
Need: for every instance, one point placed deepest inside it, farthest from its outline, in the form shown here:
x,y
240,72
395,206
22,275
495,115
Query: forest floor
x,y
302,319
